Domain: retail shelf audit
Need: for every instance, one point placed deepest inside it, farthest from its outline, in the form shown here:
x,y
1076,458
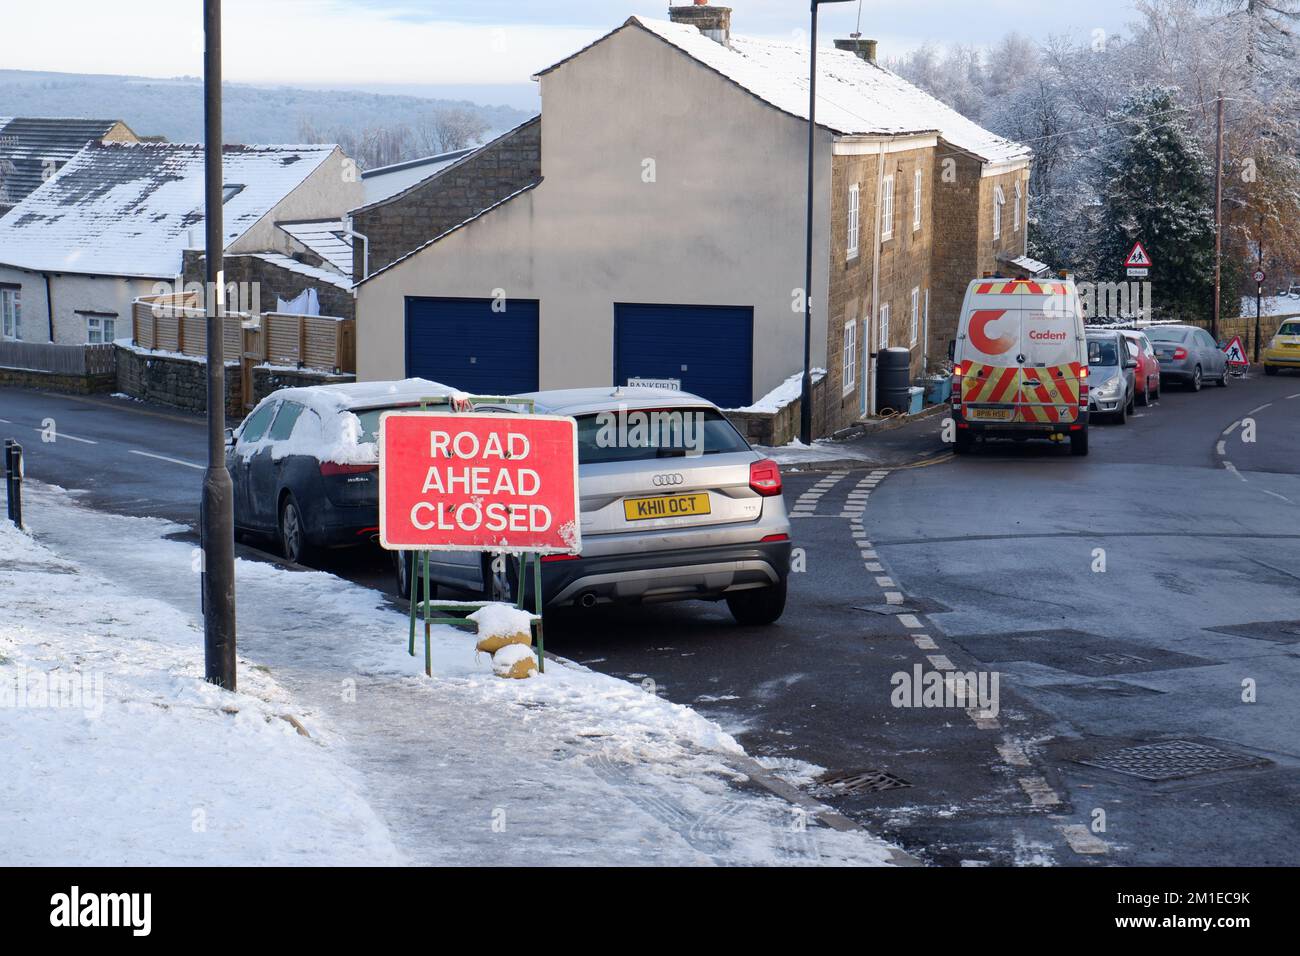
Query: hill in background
x,y
173,108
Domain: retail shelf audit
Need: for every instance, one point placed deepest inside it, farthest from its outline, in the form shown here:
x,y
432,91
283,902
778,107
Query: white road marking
x,y
1276,495
924,642
939,662
1232,428
983,721
874,568
1083,841
1220,449
174,461
1233,468
1039,791
1296,395
910,621
58,434
885,582
893,597
1012,753
1255,411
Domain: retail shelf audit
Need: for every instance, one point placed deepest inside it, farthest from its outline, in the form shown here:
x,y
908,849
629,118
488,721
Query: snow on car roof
x,y
361,395
854,97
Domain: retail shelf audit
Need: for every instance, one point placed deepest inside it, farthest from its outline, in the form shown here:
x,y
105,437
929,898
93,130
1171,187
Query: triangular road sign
x,y
1236,352
1138,258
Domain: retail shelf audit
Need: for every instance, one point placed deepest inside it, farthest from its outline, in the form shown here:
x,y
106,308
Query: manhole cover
x,y
1101,689
1171,760
862,781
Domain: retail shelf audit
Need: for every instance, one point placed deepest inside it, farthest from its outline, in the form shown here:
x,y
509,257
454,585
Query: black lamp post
x,y
805,410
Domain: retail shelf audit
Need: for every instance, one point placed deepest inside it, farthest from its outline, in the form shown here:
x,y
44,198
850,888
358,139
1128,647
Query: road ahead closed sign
x,y
451,482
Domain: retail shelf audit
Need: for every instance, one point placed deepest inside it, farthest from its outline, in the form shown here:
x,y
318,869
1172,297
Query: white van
x,y
1020,364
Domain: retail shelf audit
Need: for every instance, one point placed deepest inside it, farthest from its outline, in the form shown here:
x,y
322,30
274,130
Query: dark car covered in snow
x,y
305,463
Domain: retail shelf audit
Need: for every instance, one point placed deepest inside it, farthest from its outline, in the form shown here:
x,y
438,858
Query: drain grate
x,y
862,781
1171,760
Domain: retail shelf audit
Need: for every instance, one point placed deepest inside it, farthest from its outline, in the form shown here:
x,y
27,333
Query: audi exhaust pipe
x,y
587,600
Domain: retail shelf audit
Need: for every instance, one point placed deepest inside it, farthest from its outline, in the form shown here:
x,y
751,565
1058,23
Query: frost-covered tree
x,y
1157,188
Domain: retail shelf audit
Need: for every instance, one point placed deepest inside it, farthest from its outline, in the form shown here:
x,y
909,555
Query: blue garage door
x,y
709,348
464,344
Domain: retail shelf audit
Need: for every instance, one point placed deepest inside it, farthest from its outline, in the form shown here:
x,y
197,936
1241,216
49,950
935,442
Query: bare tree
x,y
444,130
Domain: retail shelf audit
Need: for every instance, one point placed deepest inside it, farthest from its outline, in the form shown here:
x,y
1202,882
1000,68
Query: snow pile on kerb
x,y
577,766
117,752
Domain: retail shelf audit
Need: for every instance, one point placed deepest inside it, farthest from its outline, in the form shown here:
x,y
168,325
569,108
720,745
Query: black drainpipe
x,y
49,304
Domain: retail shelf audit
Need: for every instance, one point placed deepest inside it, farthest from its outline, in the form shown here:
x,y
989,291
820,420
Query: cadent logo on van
x,y
1047,336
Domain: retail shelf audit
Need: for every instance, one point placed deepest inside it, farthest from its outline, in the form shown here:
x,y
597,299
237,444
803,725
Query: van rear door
x,y
990,384
1050,332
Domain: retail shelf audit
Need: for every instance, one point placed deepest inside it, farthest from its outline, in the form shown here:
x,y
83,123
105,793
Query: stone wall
x,y
55,382
774,429
172,380
273,281
268,379
956,230
402,223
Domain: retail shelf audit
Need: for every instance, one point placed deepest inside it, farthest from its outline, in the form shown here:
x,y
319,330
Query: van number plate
x,y
990,414
671,506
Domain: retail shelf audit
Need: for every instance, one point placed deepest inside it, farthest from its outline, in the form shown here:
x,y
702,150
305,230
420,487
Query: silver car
x,y
1112,388
1188,355
675,506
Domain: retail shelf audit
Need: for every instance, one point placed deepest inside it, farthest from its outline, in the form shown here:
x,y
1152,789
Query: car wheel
x,y
758,606
293,532
1079,442
1146,394
1121,416
1132,403
1223,379
1195,385
402,575
1270,369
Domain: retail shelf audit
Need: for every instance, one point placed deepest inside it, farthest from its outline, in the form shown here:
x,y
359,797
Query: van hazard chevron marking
x,y
1021,287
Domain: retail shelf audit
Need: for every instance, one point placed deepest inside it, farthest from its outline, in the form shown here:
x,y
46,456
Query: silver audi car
x,y
675,506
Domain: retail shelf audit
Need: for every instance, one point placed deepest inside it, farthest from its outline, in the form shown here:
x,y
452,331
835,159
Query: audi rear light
x,y
765,477
773,538
328,468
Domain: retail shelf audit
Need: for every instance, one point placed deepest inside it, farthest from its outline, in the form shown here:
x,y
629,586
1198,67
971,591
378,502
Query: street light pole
x,y
805,407
218,520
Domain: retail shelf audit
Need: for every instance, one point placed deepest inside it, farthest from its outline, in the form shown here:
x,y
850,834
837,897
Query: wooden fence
x,y
175,324
75,360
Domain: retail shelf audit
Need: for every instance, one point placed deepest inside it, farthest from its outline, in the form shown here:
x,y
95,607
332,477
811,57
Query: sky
x,y
345,43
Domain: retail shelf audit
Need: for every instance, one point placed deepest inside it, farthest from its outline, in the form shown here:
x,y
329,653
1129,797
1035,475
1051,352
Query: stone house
x,y
660,235
115,222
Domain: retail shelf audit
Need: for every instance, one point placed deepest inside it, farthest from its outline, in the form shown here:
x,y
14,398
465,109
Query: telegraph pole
x,y
218,520
1218,219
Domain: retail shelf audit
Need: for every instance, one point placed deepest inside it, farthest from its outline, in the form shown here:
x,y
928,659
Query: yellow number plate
x,y
672,506
991,414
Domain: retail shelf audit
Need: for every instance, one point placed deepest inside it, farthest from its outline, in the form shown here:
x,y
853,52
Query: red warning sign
x,y
1138,258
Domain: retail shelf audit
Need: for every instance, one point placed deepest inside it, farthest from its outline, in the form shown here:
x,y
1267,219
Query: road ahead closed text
x,y
478,482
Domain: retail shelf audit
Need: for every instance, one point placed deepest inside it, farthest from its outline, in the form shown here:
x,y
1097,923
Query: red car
x,y
1146,377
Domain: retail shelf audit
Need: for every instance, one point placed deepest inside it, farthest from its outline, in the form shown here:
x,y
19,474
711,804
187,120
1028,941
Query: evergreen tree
x,y
1157,187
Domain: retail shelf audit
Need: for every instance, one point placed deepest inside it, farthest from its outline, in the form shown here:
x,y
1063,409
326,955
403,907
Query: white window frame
x,y
855,193
887,208
1019,196
11,314
916,201
916,314
95,325
999,200
884,326
849,355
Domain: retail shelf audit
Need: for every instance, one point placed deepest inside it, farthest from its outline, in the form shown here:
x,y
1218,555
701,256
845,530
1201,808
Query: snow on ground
x,y
118,753
820,451
1271,305
566,767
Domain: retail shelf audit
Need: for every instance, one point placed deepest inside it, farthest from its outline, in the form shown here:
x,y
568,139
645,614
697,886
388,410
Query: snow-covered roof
x,y
388,181
311,272
30,147
326,238
854,97
129,209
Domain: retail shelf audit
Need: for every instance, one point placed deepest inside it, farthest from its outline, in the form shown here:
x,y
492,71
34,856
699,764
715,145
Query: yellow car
x,y
1284,350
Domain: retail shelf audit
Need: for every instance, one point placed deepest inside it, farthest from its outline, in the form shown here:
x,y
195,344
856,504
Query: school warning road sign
x,y
465,482
1138,258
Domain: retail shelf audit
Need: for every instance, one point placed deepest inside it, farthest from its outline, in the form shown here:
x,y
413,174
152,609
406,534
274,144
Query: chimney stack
x,y
863,49
713,22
